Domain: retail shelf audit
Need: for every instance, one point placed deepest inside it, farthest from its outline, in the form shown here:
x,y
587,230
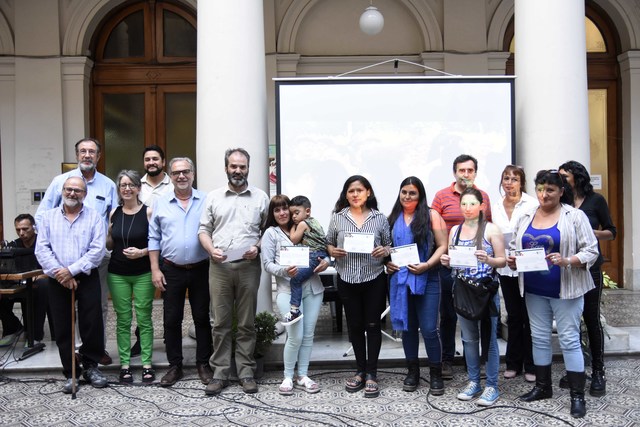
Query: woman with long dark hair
x,y
362,283
476,231
595,207
571,248
415,288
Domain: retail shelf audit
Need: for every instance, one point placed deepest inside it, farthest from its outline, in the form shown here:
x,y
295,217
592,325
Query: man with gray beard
x,y
70,247
101,196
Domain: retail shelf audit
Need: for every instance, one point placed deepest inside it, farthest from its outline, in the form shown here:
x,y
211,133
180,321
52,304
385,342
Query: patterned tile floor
x,y
30,391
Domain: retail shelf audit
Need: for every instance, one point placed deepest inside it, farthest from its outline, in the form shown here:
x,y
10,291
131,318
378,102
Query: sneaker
x,y
68,386
472,390
95,377
9,339
292,317
489,396
447,370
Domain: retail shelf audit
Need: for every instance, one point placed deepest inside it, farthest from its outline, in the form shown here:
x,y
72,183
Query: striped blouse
x,y
357,267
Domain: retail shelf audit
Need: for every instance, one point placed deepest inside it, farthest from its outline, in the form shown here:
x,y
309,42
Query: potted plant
x,y
265,326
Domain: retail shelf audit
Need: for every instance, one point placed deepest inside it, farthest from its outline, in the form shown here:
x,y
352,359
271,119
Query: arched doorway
x,y
603,78
144,83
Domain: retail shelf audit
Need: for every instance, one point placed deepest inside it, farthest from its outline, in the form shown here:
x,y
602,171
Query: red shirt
x,y
447,203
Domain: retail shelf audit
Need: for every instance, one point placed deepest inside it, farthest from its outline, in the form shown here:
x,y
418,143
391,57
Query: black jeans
x,y
448,316
363,304
89,320
591,315
518,353
196,281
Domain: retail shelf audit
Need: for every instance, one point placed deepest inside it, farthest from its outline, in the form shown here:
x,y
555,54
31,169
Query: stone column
x,y
552,121
232,103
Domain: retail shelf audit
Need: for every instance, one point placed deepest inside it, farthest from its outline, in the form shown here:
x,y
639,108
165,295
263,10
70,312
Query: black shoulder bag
x,y
473,299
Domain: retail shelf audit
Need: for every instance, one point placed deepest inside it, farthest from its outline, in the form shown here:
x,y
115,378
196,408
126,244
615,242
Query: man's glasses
x,y
70,190
182,172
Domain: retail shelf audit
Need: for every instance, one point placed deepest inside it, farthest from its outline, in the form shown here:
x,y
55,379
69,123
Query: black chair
x,y
332,296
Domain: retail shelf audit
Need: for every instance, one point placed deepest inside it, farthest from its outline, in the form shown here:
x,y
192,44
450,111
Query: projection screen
x,y
388,129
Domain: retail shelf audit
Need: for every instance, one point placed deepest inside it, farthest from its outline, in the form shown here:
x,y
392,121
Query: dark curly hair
x,y
581,178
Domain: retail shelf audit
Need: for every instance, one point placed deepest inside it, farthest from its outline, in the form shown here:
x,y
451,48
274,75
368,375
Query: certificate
x,y
235,254
531,260
463,256
358,242
294,255
405,255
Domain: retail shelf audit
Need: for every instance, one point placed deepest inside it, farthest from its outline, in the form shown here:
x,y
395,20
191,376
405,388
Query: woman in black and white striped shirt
x,y
359,239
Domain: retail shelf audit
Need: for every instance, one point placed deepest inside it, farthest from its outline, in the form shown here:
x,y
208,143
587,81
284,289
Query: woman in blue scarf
x,y
415,288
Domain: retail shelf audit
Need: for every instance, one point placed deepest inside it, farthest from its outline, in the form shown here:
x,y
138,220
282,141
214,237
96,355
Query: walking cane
x,y
73,343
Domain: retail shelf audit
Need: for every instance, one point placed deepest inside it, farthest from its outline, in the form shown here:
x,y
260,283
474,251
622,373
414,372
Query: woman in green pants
x,y
130,273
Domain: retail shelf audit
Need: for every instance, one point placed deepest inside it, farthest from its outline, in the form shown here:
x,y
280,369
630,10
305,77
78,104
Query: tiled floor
x,y
30,390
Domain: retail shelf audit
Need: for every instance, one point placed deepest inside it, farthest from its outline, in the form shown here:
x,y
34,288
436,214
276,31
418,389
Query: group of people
x,y
164,234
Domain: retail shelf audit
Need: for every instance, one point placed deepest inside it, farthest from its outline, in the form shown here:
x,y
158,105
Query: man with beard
x,y
155,181
447,203
70,247
173,233
101,196
231,222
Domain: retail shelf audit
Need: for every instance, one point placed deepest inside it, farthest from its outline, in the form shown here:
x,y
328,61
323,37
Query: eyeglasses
x,y
131,186
73,190
183,172
90,152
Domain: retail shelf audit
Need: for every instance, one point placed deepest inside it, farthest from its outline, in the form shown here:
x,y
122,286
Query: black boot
x,y
436,384
412,380
576,387
598,383
543,388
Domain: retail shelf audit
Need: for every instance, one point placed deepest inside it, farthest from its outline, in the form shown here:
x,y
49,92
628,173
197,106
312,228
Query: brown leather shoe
x,y
173,375
215,386
204,372
106,359
249,385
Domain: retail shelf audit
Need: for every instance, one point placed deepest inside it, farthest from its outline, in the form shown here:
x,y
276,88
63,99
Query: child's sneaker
x,y
472,390
489,396
292,317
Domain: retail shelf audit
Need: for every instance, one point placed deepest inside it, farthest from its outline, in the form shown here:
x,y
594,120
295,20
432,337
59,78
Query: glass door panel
x,y
124,124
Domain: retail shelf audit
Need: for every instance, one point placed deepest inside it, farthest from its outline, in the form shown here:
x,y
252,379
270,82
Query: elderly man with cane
x,y
70,247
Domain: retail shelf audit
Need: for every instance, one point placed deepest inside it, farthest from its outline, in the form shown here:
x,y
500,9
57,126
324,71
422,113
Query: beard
x,y
71,203
237,180
87,167
155,172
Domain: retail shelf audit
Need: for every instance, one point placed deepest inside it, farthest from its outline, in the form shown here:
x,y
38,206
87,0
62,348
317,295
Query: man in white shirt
x,y
155,181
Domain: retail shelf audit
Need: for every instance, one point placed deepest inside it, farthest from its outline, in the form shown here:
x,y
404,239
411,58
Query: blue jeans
x,y
471,343
299,342
567,312
448,316
422,312
303,275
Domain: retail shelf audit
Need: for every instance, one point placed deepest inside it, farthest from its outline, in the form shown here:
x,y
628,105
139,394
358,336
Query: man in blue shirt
x,y
70,247
173,233
101,196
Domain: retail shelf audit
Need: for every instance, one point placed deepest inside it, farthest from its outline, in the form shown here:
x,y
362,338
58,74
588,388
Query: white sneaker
x,y
472,390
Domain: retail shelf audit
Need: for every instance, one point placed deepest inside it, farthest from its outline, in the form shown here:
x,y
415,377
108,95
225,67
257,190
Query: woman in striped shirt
x,y
362,283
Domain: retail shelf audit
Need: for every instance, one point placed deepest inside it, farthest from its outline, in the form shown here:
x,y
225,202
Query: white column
x,y
552,121
232,106
630,71
7,142
76,75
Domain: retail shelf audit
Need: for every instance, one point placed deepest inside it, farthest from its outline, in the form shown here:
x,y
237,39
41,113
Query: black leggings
x,y
363,305
591,315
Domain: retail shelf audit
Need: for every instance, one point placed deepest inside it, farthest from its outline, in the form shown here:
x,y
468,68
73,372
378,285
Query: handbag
x,y
473,299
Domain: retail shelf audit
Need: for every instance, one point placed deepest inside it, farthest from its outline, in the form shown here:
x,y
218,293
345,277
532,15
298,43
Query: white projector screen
x,y
386,130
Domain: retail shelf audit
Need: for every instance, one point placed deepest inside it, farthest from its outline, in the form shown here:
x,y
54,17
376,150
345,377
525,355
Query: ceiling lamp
x,y
371,21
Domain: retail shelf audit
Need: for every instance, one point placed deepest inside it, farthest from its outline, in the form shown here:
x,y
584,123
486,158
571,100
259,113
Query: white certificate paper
x,y
294,255
462,256
405,255
235,254
531,260
358,242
